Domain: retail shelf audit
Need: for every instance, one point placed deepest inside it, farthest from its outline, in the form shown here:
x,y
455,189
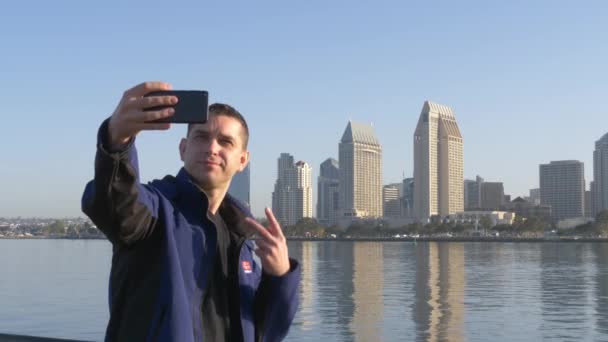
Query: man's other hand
x,y
130,116
272,245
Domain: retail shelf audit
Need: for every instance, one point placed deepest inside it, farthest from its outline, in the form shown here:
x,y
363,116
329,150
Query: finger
x,y
152,101
263,245
264,233
150,116
273,224
160,126
264,255
146,87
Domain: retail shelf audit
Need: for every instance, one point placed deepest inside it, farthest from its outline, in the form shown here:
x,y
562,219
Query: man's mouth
x,y
210,163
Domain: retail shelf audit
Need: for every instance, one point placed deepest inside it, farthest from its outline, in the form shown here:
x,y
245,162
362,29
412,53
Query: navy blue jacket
x,y
163,255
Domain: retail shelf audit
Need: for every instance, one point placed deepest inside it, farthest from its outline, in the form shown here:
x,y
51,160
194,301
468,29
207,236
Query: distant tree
x,y
518,222
485,222
435,219
582,229
72,231
92,231
361,229
601,222
337,231
57,228
503,228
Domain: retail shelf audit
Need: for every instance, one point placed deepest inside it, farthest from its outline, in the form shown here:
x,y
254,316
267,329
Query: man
x,y
183,267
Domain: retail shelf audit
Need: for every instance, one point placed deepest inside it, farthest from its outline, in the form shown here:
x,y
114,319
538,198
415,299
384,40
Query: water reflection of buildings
x,y
601,288
564,301
308,281
368,280
440,282
335,287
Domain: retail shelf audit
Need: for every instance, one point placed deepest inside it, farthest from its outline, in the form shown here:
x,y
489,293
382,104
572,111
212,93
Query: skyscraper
x,y
589,203
360,158
240,186
328,200
438,163
472,193
562,186
492,195
535,196
407,197
600,175
391,203
292,196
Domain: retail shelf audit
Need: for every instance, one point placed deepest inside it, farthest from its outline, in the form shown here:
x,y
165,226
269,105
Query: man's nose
x,y
213,146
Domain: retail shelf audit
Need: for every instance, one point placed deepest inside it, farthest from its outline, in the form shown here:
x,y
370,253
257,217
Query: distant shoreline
x,y
379,239
454,239
49,238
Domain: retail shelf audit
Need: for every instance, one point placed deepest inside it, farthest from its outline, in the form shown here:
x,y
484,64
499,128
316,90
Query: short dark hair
x,y
229,111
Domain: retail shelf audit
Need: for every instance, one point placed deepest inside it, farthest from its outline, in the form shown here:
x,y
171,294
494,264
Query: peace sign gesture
x,y
272,245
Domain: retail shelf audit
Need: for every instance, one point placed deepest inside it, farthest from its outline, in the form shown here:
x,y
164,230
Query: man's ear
x,y
182,148
244,160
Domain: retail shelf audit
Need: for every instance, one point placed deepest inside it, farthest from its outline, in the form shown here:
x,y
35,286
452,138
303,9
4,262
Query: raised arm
x,y
122,208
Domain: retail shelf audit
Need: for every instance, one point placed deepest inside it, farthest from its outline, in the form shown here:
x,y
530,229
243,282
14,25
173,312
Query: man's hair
x,y
229,111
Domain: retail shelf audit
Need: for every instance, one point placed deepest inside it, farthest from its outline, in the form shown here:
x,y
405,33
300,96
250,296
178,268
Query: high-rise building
x,y
562,186
594,198
472,193
328,200
391,203
407,198
588,203
492,195
600,175
360,159
240,187
535,196
438,163
292,196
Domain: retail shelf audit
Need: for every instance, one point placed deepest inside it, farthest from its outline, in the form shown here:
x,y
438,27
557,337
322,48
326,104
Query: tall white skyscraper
x,y
240,186
600,175
438,163
292,196
562,186
328,194
360,158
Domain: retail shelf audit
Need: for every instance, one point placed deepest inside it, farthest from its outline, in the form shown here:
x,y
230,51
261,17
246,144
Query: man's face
x,y
213,152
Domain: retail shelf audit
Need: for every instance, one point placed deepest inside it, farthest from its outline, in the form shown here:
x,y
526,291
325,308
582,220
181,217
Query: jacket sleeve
x,y
277,303
122,208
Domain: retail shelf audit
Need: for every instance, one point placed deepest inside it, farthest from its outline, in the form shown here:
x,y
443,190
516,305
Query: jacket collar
x,y
196,205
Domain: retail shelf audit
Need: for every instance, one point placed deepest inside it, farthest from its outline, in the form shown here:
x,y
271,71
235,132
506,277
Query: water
x,y
351,291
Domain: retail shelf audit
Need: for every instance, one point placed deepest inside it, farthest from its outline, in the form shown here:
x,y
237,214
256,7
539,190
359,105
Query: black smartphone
x,y
191,106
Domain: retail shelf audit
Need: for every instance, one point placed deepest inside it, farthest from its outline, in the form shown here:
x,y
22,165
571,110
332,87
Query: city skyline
x,y
526,81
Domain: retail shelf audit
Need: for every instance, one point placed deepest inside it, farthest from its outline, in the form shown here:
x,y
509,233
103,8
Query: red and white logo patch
x,y
246,267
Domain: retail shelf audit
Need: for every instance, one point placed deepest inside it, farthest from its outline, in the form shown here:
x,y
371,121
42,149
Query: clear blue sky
x,y
527,82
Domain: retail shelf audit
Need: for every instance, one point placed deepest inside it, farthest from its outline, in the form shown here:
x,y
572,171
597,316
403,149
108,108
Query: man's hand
x,y
272,245
129,118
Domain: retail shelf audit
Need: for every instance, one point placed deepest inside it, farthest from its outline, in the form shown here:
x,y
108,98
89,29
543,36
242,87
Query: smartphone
x,y
191,106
